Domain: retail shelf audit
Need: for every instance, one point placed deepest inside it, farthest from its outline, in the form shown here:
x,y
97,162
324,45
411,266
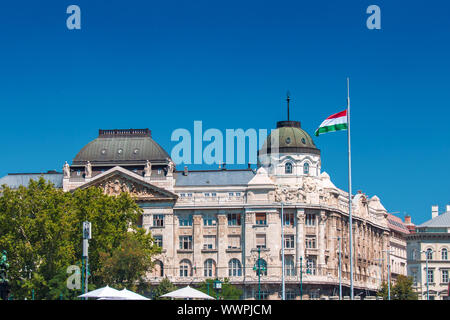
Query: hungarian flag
x,y
335,122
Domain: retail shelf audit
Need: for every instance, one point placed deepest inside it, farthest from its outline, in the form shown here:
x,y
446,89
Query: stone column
x,y
300,238
321,241
222,263
197,245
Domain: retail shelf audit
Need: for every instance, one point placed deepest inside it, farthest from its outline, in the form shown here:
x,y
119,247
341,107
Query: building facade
x,y
428,260
225,223
397,253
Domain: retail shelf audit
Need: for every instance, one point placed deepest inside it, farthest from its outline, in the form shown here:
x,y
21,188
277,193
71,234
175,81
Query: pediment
x,y
116,181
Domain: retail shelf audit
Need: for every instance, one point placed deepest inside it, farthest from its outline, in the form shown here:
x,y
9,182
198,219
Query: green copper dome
x,y
292,139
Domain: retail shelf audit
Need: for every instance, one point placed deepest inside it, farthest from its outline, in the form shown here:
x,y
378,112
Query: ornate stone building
x,y
215,223
428,256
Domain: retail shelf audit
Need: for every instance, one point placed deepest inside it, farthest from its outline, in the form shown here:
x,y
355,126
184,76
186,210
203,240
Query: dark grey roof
x,y
441,221
23,179
214,178
135,145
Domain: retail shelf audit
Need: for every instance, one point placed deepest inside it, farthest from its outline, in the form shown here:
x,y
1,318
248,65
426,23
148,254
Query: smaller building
x,y
397,246
428,261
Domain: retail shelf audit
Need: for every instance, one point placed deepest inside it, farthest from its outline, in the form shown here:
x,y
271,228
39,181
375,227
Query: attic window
x,y
103,151
288,140
135,151
303,140
119,151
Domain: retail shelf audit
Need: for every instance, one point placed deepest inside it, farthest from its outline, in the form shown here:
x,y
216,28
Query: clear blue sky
x,y
164,64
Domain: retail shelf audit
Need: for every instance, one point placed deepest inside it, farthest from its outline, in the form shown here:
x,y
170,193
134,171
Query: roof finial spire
x,y
287,100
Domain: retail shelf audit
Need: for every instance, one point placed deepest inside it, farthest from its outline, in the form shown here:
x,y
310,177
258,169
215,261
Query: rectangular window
x,y
158,241
310,219
209,242
289,242
234,219
444,276
230,194
310,242
288,218
234,242
261,241
430,276
261,218
237,194
185,220
158,220
209,220
206,194
186,242
213,194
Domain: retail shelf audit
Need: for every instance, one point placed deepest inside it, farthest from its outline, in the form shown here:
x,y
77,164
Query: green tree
x,y
41,229
127,264
165,286
228,291
402,290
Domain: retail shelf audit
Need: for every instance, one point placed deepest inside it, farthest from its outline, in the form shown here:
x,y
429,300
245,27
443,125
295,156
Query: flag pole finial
x,y
287,100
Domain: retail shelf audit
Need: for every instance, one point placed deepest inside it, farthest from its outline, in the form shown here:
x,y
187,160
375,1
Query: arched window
x,y
289,266
444,254
429,254
234,268
261,267
306,168
210,268
288,168
158,269
185,268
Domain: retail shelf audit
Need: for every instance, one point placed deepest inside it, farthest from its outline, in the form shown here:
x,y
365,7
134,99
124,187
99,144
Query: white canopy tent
x,y
187,293
108,293
104,292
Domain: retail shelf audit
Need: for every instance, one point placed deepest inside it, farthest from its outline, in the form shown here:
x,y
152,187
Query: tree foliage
x,y
165,286
402,290
41,229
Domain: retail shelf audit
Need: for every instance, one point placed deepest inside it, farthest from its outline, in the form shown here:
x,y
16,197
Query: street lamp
x,y
389,272
217,287
340,267
282,254
258,268
426,268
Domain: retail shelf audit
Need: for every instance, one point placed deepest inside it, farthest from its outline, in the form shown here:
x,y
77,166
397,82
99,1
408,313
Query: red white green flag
x,y
335,122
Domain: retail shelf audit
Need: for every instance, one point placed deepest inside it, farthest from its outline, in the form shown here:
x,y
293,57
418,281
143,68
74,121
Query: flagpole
x,y
350,192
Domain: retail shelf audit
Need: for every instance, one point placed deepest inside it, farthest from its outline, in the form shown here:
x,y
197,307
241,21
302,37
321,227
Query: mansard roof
x,y
225,177
441,221
14,180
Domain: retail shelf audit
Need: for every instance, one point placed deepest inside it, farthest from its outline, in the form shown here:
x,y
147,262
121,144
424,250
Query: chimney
x,y
407,219
223,166
447,208
249,166
185,171
434,211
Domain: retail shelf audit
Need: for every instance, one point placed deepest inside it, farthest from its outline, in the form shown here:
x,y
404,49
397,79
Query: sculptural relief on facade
x,y
285,193
116,186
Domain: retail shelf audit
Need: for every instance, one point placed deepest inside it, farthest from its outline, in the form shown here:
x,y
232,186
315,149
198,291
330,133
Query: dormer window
x,y
288,168
306,168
